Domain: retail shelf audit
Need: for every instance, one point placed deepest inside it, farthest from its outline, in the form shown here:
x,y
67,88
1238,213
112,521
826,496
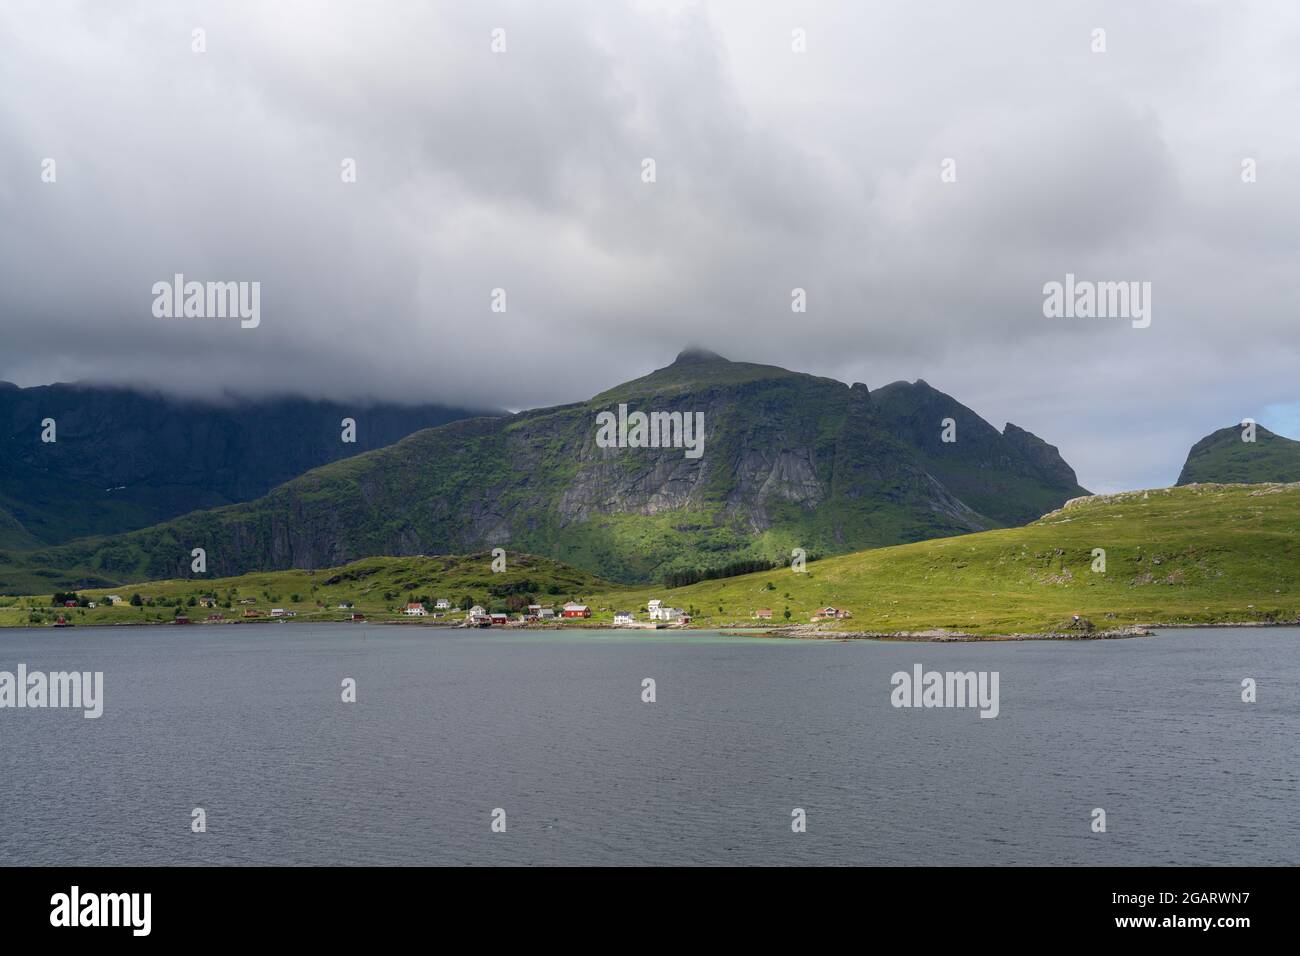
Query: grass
x,y
1209,554
1189,555
378,587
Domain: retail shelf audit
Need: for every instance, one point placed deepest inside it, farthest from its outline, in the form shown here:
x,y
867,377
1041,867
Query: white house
x,y
477,611
442,604
277,612
415,609
545,612
623,617
662,612
113,599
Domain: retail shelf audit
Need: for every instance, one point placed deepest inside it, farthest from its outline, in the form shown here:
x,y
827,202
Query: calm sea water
x,y
247,722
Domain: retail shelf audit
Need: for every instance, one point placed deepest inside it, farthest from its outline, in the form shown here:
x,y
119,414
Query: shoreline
x,y
805,632
942,636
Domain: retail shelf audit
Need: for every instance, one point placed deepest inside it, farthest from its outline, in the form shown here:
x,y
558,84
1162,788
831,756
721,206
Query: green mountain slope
x,y
13,534
1223,457
1211,553
790,461
125,459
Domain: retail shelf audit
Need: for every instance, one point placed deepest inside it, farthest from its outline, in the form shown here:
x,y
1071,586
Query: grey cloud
x,y
774,171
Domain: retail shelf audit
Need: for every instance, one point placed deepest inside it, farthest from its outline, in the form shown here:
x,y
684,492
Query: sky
x,y
920,170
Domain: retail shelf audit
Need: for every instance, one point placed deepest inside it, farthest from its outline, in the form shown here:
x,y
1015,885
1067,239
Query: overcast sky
x,y
775,169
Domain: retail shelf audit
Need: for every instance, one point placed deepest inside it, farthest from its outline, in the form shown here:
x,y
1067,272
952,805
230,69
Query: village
x,y
210,609
660,615
657,615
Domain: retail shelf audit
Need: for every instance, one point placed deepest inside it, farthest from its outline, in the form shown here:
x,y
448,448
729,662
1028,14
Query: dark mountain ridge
x,y
790,460
127,459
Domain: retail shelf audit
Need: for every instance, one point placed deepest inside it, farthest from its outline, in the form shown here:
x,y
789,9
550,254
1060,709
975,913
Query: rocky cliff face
x,y
1045,459
1011,477
789,460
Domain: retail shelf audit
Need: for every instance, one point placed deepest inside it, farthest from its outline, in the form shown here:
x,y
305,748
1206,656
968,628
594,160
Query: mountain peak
x,y
1232,455
695,356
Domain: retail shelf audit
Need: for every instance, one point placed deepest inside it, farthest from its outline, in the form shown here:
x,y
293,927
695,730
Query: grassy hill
x,y
1203,554
1212,553
1223,457
378,587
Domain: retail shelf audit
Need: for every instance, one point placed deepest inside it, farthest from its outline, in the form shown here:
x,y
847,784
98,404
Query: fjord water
x,y
248,723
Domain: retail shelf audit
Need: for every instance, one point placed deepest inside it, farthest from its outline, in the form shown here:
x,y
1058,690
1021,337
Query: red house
x,y
576,610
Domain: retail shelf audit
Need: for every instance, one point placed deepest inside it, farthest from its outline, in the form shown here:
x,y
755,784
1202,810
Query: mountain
x,y
1010,477
127,459
1223,457
789,460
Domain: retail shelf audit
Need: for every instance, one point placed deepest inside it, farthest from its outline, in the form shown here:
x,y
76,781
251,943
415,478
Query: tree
x,y
136,601
787,614
466,602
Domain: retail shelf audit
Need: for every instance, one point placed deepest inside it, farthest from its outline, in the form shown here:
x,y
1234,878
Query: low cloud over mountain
x,y
775,170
